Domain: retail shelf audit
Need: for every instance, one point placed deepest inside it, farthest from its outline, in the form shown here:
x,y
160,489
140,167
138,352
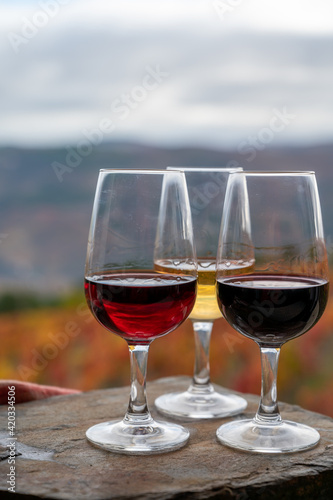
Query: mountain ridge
x,y
43,235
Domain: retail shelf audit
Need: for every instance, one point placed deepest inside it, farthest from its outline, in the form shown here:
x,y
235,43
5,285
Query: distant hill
x,y
46,199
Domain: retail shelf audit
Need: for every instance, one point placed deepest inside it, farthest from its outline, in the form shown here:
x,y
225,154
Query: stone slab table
x,y
54,460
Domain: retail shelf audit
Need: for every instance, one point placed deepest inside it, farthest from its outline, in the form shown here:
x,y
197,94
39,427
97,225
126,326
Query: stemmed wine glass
x,y
272,220
140,217
206,188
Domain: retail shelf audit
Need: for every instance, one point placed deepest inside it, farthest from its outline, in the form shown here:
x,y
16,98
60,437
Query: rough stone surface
x,y
55,461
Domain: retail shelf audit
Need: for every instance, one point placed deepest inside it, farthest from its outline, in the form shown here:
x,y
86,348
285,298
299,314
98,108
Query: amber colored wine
x,y
140,306
205,307
272,309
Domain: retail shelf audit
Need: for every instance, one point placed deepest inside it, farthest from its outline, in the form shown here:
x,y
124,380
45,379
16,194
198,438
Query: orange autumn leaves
x,y
65,346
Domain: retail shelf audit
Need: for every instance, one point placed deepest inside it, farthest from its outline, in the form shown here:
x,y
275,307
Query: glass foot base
x,y
199,404
285,437
122,437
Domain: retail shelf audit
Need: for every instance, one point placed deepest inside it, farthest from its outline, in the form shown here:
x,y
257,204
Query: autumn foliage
x,y
65,346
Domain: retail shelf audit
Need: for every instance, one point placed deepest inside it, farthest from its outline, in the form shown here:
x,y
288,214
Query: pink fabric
x,y
26,391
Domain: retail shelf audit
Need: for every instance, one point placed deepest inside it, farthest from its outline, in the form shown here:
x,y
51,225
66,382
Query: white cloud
x,y
225,75
298,16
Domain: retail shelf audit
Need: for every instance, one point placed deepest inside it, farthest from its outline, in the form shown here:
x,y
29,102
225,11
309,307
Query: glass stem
x,y
202,334
137,411
268,411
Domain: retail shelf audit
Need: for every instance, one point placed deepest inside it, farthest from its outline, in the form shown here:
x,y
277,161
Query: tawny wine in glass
x,y
206,188
272,219
140,217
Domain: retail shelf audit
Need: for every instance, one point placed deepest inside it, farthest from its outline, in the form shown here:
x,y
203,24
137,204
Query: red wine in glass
x,y
272,309
273,220
141,306
140,217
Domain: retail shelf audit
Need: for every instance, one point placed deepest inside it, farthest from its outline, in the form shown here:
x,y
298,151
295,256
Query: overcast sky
x,y
179,72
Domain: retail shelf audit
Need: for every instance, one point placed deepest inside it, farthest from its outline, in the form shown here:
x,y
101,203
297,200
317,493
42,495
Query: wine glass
x,y
206,188
272,220
139,217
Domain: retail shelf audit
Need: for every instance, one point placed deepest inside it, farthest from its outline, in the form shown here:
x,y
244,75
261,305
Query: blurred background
x,y
87,85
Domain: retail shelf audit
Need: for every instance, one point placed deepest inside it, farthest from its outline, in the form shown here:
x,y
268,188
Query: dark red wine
x,y
272,309
141,306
